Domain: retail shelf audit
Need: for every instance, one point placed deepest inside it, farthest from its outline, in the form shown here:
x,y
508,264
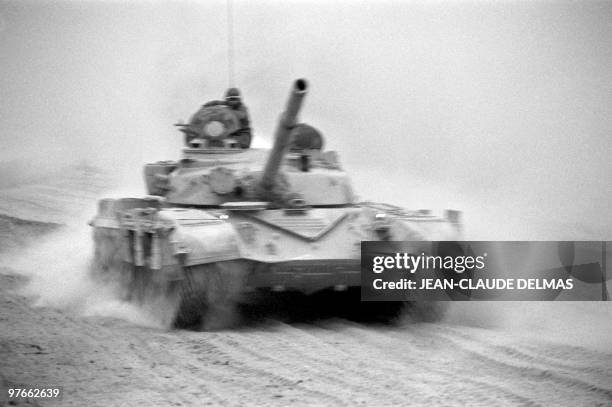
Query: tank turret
x,y
213,172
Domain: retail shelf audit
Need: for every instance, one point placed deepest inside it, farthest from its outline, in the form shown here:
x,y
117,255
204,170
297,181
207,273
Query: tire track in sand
x,y
424,363
566,391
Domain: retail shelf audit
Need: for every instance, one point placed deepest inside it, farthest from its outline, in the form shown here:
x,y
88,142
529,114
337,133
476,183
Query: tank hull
x,y
214,256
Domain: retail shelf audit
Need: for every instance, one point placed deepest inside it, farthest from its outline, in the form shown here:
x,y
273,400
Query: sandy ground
x,y
57,329
106,361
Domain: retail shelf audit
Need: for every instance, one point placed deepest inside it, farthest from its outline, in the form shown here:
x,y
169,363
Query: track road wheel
x,y
210,294
192,302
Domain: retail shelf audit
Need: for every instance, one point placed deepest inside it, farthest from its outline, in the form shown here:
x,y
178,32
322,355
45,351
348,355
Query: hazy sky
x,y
430,103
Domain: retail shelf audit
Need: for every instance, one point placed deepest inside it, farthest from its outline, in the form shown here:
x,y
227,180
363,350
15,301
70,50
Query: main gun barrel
x,y
282,136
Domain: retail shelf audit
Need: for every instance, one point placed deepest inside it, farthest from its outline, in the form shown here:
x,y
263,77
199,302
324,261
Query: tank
x,y
227,219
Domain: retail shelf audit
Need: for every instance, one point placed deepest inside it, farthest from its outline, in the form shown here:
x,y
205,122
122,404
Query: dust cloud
x,y
574,323
59,268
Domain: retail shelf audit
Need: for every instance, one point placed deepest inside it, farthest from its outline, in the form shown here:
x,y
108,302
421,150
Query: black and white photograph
x,y
305,203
